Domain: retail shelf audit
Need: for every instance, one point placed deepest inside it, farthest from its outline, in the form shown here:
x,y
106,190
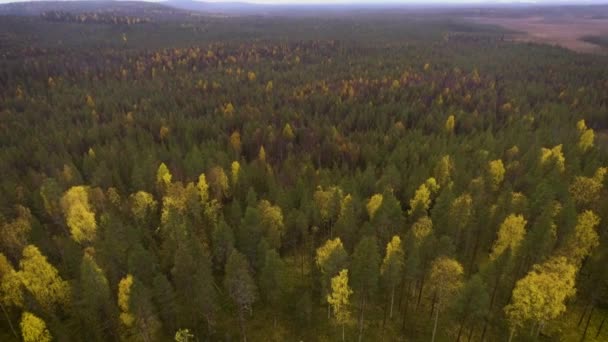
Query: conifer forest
x,y
167,175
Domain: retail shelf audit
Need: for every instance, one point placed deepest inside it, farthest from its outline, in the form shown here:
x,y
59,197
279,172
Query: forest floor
x,y
565,31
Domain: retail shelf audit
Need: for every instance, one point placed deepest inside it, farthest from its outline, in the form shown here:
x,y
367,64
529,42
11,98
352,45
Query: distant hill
x,y
36,8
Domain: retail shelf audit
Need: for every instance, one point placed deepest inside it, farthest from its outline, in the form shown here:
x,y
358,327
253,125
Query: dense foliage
x,y
381,177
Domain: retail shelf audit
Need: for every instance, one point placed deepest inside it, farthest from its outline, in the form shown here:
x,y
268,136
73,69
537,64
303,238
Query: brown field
x,y
565,31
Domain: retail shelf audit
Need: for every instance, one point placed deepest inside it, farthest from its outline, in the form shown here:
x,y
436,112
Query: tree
x,y
240,286
194,288
235,142
15,234
541,295
392,268
365,274
586,191
328,203
136,311
449,124
496,170
339,299
42,280
373,204
79,216
271,220
445,280
143,205
11,293
553,156
584,239
183,335
222,240
472,303
273,280
33,329
94,300
218,183
330,258
587,136
510,235
163,177
420,203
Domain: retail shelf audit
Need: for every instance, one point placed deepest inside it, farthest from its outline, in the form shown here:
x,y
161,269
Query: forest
x,y
368,177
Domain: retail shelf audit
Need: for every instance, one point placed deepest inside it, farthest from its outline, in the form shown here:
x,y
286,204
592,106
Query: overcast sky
x,y
392,1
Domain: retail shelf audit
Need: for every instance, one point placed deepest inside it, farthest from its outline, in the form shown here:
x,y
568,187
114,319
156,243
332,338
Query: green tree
x,y
274,281
194,288
137,315
240,286
94,301
365,270
471,305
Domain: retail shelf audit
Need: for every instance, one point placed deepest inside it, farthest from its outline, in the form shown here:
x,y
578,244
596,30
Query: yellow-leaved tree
x,y
445,281
79,216
497,171
42,280
373,205
419,205
339,299
541,295
553,156
33,329
587,136
449,124
510,235
584,238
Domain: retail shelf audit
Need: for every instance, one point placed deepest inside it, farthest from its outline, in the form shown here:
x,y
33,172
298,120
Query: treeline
x,y
93,17
322,189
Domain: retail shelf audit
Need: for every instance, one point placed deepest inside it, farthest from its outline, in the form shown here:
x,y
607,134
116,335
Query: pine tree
x,y
240,286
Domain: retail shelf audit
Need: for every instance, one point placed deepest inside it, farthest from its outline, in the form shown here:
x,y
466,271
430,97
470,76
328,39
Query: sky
x,y
346,2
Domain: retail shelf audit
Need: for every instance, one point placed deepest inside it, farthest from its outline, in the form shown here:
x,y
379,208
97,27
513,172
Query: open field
x,y
571,32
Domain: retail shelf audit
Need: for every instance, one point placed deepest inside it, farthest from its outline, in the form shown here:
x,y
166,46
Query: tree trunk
x,y
485,327
580,320
420,293
433,304
460,331
242,325
361,319
8,319
435,326
342,332
511,334
471,333
392,303
587,324
405,309
599,329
